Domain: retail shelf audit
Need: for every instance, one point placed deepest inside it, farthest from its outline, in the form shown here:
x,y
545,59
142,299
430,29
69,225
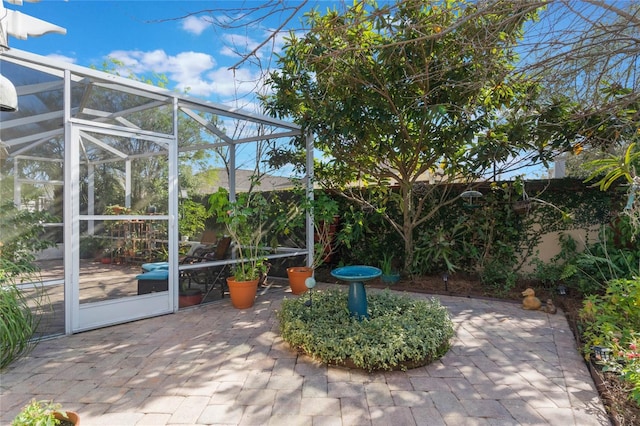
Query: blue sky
x,y
148,38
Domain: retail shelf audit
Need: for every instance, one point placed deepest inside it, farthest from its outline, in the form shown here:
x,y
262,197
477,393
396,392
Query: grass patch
x,y
401,332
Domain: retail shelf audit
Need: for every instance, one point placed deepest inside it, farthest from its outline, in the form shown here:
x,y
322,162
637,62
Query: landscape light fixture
x,y
601,353
470,195
310,283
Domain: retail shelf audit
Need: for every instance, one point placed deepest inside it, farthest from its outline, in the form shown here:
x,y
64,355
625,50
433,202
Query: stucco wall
x,y
550,244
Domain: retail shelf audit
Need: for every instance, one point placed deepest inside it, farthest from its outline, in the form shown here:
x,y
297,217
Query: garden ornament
x,y
550,308
530,301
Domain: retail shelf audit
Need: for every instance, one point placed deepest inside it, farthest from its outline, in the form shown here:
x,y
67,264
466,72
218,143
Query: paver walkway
x,y
218,365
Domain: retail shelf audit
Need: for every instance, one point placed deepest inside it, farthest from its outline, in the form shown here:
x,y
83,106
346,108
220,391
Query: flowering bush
x,y
626,362
612,322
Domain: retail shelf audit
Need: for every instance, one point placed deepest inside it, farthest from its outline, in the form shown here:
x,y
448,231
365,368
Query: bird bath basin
x,y
356,276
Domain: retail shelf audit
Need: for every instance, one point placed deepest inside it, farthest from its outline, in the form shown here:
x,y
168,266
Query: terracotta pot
x,y
190,297
242,293
297,276
71,416
105,260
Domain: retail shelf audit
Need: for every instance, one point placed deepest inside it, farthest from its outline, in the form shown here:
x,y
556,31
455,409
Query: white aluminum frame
x,y
79,318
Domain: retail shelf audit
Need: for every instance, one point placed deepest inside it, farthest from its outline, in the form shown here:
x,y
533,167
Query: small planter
x,y
190,297
522,207
68,418
242,293
391,278
297,277
45,413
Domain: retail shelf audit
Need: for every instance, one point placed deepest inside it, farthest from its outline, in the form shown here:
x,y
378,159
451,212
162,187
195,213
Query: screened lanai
x,y
84,142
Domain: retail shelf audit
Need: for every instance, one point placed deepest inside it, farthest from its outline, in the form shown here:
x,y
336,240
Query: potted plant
x,y
189,296
244,223
325,215
390,275
45,413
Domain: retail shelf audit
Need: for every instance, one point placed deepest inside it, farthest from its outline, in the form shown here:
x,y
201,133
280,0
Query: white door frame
x,y
108,312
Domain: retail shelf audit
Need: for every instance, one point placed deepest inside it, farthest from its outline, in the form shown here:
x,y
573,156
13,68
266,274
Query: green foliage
x,y
18,322
22,232
614,167
440,249
245,223
400,330
498,277
484,238
561,266
91,246
612,321
407,98
364,235
193,217
612,256
386,265
626,362
38,413
20,309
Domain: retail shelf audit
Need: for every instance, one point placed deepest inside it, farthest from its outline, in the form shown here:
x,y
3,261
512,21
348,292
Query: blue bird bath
x,y
356,275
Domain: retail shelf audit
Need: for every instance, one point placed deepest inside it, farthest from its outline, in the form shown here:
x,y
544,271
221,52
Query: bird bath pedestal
x,y
356,275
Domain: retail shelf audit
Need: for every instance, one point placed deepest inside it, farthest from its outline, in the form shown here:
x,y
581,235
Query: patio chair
x,y
208,276
206,244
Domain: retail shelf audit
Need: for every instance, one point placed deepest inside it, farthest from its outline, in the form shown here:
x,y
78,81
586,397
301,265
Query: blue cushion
x,y
158,274
155,266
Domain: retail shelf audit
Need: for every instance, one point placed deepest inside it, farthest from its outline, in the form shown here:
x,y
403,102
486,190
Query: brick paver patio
x,y
217,365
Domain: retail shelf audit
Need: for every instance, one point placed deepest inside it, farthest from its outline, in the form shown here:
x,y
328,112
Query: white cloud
x,y
194,72
62,58
239,44
195,24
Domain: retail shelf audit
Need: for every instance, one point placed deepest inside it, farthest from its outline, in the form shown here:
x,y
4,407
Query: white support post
x,y
91,207
174,192
232,183
17,193
127,184
71,214
232,172
310,220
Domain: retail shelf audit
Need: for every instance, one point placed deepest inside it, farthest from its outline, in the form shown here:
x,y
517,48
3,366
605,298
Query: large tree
x,y
394,93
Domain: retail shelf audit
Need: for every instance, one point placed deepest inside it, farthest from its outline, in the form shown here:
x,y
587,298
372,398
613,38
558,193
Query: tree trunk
x,y
407,225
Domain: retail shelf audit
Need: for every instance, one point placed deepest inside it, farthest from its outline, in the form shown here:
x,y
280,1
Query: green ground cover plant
x,y
400,332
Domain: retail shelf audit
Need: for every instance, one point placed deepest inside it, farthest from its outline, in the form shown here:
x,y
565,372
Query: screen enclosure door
x,y
120,202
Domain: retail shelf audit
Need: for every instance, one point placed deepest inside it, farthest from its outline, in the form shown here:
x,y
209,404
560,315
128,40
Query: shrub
x,y
613,321
22,234
400,332
20,312
626,363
